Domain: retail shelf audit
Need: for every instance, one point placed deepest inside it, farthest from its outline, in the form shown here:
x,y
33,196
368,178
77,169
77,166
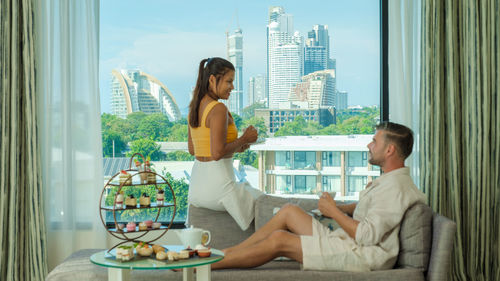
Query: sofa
x,y
426,243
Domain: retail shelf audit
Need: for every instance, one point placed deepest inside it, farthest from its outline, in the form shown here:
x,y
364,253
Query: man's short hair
x,y
400,135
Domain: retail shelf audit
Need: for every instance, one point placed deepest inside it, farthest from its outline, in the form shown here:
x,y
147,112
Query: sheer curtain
x,y
404,70
69,123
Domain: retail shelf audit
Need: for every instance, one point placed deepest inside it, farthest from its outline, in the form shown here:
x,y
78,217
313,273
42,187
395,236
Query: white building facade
x,y
235,56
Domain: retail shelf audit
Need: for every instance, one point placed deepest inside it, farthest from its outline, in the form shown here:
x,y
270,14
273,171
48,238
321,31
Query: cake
x,y
131,201
145,200
156,225
131,226
190,251
143,249
124,253
161,255
158,248
151,177
119,200
160,197
204,253
125,178
149,223
143,226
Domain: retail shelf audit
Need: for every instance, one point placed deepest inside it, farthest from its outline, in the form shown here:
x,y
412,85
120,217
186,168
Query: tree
x,y
249,111
258,123
179,156
147,147
294,128
248,157
108,137
154,126
237,119
178,132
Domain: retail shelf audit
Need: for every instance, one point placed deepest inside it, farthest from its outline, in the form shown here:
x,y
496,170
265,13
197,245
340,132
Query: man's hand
x,y
327,205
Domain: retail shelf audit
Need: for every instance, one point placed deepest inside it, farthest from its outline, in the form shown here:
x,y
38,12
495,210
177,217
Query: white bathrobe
x,y
379,211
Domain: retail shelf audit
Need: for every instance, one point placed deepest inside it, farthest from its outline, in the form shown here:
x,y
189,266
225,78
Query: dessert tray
x,y
168,254
121,188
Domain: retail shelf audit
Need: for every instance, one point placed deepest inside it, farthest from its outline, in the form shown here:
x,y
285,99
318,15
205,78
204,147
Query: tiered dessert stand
x,y
134,180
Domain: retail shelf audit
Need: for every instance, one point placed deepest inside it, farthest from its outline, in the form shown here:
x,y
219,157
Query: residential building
x,y
134,90
309,164
317,89
276,118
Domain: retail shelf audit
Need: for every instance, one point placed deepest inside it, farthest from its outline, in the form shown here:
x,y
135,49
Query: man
x,y
368,237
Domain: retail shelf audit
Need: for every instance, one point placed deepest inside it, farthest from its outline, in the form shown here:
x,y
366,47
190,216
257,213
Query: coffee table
x,y
120,271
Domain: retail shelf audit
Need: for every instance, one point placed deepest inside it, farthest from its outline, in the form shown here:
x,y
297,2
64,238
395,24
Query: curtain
x,y
70,127
23,241
404,71
460,128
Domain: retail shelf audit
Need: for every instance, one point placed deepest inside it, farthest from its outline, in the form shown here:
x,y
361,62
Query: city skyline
x,y
170,45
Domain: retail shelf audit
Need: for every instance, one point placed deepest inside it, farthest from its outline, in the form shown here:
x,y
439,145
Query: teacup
x,y
190,237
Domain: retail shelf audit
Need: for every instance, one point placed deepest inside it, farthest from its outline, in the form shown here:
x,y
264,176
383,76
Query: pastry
x,y
131,201
161,255
160,197
143,226
125,178
131,226
190,251
149,223
124,253
156,225
145,200
204,253
119,200
151,178
172,256
183,254
158,248
120,227
143,249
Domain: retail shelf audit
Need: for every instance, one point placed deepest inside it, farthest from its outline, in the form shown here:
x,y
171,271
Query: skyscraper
x,y
257,89
134,90
317,50
235,56
285,57
341,102
317,89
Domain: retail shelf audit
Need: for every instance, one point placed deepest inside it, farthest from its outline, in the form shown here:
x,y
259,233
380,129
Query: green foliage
x,y
146,147
237,119
155,126
248,157
258,123
178,132
179,156
249,111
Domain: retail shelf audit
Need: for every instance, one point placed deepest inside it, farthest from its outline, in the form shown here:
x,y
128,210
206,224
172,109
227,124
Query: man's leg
x,y
279,243
290,217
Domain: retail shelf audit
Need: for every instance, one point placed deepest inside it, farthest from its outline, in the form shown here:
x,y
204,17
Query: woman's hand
x,y
327,205
250,135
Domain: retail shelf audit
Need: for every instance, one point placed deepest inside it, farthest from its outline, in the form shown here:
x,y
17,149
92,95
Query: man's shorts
x,y
329,250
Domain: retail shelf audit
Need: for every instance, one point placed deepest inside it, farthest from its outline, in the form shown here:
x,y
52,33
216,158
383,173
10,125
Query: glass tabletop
x,y
106,259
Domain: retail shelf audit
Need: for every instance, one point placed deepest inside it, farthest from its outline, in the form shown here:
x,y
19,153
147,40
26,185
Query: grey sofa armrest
x,y
443,236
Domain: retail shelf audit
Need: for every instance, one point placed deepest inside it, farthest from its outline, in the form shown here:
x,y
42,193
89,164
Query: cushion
x,y
415,237
224,231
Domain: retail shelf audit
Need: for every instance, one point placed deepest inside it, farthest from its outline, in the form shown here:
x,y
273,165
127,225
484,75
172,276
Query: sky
x,y
167,39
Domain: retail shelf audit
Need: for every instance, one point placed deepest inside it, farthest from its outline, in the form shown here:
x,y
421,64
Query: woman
x,y
212,139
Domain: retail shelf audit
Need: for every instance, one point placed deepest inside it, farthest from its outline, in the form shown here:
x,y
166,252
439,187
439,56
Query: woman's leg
x,y
290,217
278,243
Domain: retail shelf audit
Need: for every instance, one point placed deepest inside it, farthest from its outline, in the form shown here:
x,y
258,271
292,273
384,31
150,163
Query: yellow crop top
x,y
201,135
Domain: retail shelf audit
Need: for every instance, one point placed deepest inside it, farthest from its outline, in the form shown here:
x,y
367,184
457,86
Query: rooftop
x,y
315,143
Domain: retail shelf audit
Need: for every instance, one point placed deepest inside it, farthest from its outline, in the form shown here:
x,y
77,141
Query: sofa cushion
x,y
264,206
415,237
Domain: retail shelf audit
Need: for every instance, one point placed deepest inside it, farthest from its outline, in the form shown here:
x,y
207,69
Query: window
x,y
330,158
304,160
304,184
357,159
331,184
138,38
356,184
283,159
283,184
